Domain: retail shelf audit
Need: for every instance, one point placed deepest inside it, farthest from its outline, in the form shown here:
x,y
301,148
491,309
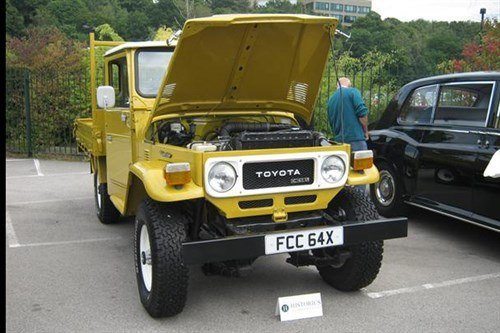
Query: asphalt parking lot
x,y
68,272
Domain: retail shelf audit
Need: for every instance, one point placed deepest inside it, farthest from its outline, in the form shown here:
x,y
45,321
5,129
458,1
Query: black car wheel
x,y
387,193
363,263
162,276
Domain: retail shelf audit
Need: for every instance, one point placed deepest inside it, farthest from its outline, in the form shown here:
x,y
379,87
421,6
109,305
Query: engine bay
x,y
231,133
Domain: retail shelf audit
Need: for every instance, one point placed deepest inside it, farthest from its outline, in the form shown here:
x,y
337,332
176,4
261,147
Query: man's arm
x,y
361,112
364,124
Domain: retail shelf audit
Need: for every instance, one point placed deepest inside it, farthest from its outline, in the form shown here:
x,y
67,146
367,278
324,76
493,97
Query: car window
x,y
418,108
463,104
118,79
151,67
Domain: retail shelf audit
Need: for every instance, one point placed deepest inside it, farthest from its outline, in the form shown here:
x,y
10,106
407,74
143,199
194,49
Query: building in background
x,y
347,11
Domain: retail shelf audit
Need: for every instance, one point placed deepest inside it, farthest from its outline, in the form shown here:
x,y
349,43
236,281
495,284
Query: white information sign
x,y
299,307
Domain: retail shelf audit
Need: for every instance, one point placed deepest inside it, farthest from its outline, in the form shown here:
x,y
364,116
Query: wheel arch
x,y
146,181
98,163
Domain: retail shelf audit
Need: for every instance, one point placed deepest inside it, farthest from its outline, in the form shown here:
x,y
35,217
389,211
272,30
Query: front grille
x,y
300,199
278,174
255,203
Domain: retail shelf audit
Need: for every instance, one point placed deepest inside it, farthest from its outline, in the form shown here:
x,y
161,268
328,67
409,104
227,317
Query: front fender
x,y
367,176
151,175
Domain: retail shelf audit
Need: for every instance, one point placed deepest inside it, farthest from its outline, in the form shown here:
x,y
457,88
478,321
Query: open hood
x,y
247,62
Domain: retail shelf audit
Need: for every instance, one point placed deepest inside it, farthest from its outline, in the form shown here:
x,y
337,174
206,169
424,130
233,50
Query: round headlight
x,y
333,169
222,177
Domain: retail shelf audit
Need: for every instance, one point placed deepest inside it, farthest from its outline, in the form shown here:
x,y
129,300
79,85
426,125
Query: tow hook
x,y
339,215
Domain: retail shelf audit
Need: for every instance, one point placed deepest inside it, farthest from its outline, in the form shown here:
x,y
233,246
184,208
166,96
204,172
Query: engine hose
x,y
229,128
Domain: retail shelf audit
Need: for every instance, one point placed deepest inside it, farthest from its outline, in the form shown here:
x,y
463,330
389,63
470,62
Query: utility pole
x,y
188,13
482,11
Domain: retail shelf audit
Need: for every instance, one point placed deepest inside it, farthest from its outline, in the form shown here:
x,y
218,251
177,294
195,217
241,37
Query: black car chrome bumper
x,y
242,247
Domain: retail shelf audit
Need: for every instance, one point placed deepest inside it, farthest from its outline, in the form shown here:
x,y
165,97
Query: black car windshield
x,y
151,67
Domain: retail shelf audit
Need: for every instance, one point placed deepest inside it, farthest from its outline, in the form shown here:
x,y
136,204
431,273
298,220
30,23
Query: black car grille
x,y
249,204
277,174
300,199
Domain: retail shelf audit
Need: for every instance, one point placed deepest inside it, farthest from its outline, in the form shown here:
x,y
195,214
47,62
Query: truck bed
x,y
83,133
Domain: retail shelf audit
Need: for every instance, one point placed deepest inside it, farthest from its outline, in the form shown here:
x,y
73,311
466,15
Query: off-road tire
x,y
397,207
106,211
167,230
366,258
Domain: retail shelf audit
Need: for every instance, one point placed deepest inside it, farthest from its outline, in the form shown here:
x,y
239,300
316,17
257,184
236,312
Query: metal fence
x,y
41,106
378,84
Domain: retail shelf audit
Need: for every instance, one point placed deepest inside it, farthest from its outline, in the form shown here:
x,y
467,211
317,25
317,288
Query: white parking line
x,y
77,241
50,175
46,201
427,286
9,229
37,166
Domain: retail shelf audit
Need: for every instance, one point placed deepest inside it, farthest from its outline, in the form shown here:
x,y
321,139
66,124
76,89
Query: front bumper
x,y
252,246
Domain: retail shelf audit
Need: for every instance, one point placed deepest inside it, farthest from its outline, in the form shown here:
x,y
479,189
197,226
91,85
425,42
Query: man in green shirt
x,y
354,129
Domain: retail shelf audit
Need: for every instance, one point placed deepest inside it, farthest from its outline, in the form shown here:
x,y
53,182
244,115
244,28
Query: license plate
x,y
304,240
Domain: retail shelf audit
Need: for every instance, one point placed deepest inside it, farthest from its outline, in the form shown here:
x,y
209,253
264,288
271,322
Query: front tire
x,y
362,267
162,276
387,193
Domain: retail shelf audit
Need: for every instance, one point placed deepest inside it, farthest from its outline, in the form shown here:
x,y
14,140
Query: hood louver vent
x,y
298,92
168,91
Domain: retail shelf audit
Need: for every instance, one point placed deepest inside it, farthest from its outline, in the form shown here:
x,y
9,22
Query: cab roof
x,y
137,45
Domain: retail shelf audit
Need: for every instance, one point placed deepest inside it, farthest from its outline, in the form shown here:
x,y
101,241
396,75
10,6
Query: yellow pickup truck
x,y
206,139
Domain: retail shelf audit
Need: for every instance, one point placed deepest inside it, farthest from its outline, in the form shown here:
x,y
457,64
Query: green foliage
x,y
106,32
163,33
229,6
483,55
44,49
279,7
49,38
419,46
14,21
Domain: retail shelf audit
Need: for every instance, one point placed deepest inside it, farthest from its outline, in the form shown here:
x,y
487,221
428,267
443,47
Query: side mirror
x,y
105,97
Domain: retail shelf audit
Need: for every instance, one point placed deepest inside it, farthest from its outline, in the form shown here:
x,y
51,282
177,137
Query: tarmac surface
x,y
68,272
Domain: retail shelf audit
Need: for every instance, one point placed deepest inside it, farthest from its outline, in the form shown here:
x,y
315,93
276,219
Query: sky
x,y
435,10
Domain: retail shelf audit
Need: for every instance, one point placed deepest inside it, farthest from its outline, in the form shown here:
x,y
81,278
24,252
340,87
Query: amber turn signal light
x,y
362,160
177,173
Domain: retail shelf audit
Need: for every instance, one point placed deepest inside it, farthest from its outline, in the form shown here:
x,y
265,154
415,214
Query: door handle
x,y
109,138
124,117
481,144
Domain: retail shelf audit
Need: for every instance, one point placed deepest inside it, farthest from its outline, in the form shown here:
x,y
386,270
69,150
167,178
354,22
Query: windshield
x,y
151,67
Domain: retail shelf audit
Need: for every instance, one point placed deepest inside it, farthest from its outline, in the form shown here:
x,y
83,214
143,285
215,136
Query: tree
x,y
106,32
483,55
14,21
229,6
44,49
278,6
163,33
71,15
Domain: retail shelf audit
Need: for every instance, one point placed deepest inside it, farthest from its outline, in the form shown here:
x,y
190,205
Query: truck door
x,y
118,132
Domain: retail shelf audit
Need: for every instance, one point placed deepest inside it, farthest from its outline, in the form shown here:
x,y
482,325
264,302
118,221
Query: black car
x,y
432,145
